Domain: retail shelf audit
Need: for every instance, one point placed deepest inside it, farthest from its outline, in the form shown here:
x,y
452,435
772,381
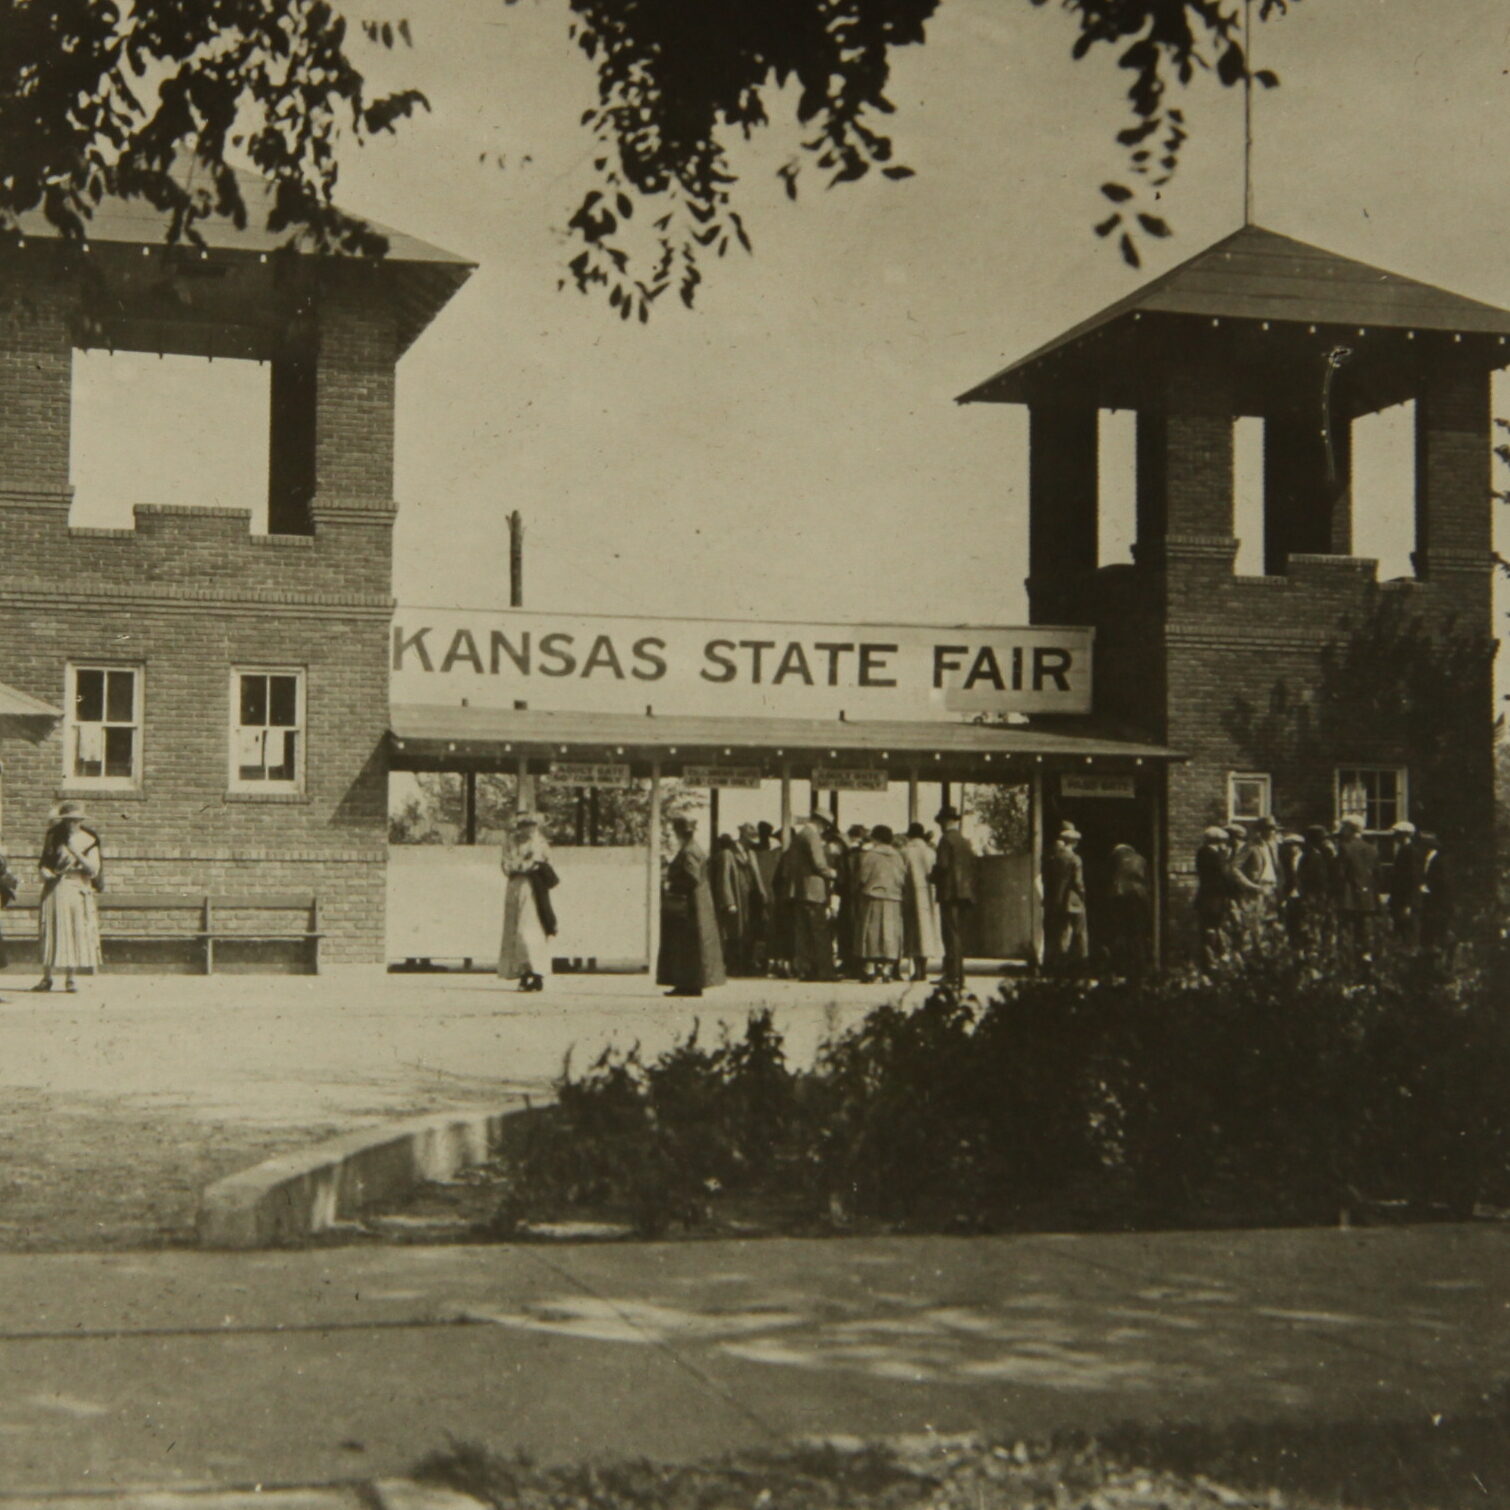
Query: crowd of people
x,y
1329,893
870,904
864,903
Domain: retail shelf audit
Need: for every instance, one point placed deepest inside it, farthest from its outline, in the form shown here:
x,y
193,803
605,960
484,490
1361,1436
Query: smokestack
x,y
516,560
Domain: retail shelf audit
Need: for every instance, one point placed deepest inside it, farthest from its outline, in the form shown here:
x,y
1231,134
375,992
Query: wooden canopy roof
x,y
420,278
1260,279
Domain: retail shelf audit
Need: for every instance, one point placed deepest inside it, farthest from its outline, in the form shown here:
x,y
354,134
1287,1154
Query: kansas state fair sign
x,y
735,668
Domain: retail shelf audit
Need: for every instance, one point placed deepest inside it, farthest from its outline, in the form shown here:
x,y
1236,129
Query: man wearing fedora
x,y
1066,936
954,885
812,882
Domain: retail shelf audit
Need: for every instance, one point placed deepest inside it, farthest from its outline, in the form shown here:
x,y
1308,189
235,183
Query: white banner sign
x,y
588,773
1096,786
722,775
842,779
586,663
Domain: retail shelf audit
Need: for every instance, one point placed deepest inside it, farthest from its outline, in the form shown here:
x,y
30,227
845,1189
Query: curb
x,y
382,1494
311,1190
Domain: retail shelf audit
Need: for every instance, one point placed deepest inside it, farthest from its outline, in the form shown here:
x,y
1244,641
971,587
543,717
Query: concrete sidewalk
x,y
180,1370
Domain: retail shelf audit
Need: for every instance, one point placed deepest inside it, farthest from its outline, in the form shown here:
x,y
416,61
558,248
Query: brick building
x,y
217,698
1313,689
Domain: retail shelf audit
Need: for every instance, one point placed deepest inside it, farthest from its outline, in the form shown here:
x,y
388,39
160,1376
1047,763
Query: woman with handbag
x,y
72,870
529,919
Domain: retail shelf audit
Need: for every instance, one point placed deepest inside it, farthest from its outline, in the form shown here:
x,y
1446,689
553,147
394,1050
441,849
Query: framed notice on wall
x,y
1081,785
842,779
588,773
722,776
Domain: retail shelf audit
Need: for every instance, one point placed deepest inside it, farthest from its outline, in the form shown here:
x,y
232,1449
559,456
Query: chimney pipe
x,y
516,560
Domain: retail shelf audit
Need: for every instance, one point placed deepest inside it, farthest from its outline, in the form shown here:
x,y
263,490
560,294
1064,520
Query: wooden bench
x,y
203,932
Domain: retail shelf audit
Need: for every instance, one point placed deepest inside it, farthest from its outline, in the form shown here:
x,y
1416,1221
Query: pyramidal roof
x,y
137,222
421,277
1257,274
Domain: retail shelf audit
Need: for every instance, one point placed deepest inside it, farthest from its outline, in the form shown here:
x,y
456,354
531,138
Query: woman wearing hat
x,y
920,913
881,881
691,956
528,917
72,870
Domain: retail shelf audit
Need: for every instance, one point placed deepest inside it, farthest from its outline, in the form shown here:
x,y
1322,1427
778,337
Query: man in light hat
x,y
1065,932
954,885
1259,863
1405,884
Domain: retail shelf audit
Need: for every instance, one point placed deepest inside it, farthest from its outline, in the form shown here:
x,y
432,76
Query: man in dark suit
x,y
1357,892
954,884
1435,897
812,885
1064,924
1405,884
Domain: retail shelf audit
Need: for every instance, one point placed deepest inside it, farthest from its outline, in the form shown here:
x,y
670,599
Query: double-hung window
x,y
267,731
1373,796
102,735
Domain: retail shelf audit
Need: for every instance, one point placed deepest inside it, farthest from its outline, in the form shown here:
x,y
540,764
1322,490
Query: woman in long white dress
x,y
68,923
526,860
920,917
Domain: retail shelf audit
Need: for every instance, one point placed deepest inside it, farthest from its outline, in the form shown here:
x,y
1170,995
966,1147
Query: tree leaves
x,y
1164,42
276,80
270,80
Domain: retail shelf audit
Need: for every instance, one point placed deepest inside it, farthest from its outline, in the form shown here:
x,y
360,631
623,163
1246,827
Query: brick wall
x,y
1296,675
187,595
36,369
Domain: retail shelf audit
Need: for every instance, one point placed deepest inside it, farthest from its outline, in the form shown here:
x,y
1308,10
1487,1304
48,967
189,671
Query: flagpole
x,y
1248,112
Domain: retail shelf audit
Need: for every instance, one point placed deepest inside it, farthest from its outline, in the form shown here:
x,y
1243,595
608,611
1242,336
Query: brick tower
x,y
223,694
1314,689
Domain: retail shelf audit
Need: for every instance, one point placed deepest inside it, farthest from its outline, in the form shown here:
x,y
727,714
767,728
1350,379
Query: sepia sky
x,y
791,450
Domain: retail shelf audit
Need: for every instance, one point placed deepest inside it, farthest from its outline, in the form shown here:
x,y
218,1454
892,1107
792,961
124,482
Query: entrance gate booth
x,y
953,733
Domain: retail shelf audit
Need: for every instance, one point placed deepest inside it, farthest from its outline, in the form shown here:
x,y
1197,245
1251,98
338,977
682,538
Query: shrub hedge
x,y
1267,1092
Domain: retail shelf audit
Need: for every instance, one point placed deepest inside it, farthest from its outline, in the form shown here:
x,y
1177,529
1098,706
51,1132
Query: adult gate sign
x,y
725,667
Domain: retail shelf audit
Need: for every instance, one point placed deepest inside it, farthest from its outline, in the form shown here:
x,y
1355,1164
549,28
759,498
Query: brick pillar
x,y
291,445
1185,468
1198,454
1062,507
36,376
1307,502
1454,506
354,386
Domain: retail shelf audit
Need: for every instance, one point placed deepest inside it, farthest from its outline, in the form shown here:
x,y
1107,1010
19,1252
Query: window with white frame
x,y
102,735
1249,796
1372,795
267,731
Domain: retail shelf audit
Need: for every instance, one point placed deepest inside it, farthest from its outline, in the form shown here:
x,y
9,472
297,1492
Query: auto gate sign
x,y
734,668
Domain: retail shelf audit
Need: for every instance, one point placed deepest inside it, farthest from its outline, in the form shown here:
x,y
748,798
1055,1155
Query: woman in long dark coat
x,y
691,956
739,896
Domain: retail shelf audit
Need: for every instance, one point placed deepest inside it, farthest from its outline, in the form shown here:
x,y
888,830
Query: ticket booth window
x,y
267,735
102,736
1372,796
1249,796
